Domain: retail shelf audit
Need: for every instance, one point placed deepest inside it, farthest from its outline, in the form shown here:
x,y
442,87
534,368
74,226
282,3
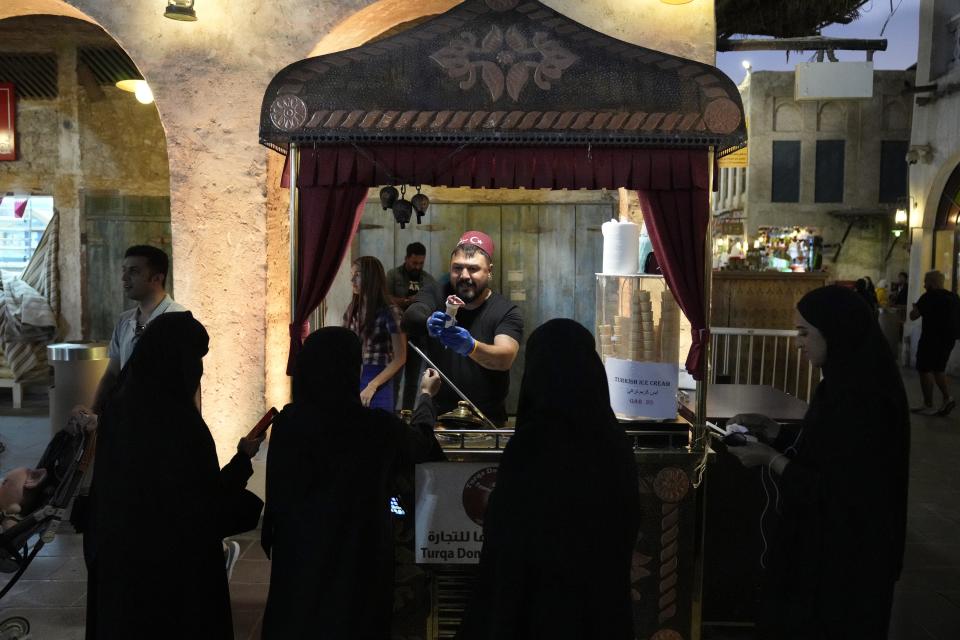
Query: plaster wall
x,y
88,138
773,114
936,124
208,78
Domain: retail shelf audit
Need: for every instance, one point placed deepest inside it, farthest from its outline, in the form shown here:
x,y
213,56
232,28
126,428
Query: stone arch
x,y
98,173
831,116
377,20
787,117
895,116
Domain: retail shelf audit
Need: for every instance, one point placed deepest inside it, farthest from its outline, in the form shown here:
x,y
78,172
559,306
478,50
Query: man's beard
x,y
469,291
414,274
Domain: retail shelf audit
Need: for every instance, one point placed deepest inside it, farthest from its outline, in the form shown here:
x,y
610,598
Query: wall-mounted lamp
x,y
180,10
922,153
139,88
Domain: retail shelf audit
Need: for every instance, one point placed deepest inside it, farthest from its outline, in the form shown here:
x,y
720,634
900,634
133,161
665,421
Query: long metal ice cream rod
x,y
444,377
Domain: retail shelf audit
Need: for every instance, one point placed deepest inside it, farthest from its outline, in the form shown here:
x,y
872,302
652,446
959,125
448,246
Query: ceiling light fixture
x,y
138,88
180,10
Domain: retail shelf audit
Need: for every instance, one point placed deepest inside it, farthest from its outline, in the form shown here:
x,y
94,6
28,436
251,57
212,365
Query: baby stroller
x,y
66,459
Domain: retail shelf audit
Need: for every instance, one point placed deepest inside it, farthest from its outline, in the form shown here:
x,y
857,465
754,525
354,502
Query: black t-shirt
x,y
939,310
485,387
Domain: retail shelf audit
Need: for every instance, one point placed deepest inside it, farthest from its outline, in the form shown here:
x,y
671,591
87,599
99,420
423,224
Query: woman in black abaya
x,y
330,473
563,518
842,481
157,476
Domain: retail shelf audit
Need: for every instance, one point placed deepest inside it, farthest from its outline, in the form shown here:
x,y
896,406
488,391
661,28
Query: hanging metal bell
x,y
420,203
402,210
388,195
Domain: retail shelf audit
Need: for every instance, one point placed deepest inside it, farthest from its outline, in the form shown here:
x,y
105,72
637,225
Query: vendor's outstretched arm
x,y
498,356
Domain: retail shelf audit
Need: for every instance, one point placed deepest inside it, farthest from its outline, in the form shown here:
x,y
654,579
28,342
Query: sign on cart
x,y
451,502
642,390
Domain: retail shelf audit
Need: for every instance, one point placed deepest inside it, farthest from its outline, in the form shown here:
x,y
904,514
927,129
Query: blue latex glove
x,y
458,339
436,322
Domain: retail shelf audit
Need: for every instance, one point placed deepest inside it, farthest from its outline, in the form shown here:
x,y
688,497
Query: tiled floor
x,y
927,604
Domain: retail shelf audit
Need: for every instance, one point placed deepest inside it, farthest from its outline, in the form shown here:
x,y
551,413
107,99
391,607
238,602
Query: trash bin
x,y
77,369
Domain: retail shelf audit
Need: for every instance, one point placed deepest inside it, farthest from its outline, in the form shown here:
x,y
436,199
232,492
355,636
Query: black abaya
x,y
154,555
563,518
839,548
330,473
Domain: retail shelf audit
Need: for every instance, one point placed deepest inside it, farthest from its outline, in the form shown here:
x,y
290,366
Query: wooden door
x,y
113,222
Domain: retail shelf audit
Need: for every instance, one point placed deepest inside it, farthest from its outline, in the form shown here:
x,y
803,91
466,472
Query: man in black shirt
x,y
940,310
478,350
404,282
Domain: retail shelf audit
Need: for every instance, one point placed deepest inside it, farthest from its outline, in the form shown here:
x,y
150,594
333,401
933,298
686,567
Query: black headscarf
x,y
564,382
857,352
156,462
565,428
328,366
167,362
857,429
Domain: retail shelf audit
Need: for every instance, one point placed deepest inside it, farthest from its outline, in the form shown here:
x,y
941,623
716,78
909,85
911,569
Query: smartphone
x,y
264,424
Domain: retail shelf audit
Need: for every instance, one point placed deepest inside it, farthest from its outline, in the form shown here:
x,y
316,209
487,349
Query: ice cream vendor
x,y
470,332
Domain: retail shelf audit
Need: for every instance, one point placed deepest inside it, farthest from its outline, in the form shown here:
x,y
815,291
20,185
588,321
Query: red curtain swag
x,y
673,186
677,224
328,220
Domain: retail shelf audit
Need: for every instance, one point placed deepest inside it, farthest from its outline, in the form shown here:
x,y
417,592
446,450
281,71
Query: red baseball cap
x,y
479,239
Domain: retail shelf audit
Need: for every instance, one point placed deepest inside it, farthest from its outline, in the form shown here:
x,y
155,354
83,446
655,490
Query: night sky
x,y
901,35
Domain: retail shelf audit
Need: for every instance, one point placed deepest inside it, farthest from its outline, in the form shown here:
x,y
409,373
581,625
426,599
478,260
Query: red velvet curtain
x,y
505,167
328,220
673,186
677,223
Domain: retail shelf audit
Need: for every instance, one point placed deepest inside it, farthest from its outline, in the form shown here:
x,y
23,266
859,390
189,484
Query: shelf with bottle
x,y
786,249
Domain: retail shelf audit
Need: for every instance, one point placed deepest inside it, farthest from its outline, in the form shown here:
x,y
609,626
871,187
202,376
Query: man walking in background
x,y
940,310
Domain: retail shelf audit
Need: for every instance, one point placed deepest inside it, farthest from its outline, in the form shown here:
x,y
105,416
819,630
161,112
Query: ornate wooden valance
x,y
502,72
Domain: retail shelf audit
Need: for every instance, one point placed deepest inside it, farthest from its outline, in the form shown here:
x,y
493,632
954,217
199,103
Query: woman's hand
x,y
430,383
82,419
366,396
766,429
754,454
249,447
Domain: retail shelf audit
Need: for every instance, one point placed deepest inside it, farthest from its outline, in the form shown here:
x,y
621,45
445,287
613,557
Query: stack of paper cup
x,y
641,327
669,329
605,335
621,335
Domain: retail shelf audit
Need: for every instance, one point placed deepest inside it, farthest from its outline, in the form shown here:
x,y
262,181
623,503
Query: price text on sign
x,y
642,389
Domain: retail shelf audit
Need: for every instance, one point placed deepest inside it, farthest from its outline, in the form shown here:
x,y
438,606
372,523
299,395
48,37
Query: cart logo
x,y
476,493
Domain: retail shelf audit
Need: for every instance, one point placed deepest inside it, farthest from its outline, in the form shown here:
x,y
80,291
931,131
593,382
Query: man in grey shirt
x,y
144,280
403,284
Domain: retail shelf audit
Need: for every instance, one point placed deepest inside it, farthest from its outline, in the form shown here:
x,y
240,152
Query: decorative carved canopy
x,y
502,72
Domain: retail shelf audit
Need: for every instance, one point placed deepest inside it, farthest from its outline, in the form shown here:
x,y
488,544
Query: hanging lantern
x,y
388,195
